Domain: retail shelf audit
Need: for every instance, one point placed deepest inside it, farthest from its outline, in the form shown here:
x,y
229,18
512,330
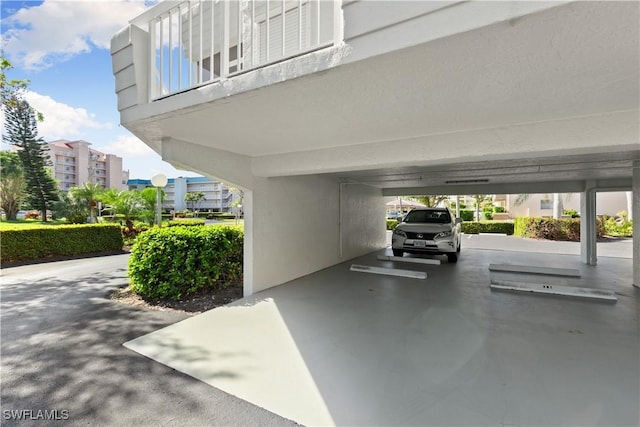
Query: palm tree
x,y
479,199
194,198
127,202
89,193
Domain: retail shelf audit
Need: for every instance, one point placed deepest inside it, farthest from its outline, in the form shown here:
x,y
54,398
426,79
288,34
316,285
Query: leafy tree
x,y
480,199
238,198
431,201
89,194
11,183
194,199
22,131
148,197
73,210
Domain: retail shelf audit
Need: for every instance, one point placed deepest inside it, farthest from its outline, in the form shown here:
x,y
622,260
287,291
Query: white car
x,y
428,231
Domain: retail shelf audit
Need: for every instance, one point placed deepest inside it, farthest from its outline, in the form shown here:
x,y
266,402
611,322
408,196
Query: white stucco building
x,y
217,197
541,205
333,105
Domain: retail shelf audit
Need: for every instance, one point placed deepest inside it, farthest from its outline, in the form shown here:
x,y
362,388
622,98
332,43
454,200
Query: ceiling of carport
x,y
610,171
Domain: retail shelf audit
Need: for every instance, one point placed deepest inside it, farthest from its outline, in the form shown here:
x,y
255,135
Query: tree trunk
x,y
558,207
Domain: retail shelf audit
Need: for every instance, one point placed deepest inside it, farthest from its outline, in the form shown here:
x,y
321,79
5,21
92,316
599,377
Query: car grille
x,y
423,236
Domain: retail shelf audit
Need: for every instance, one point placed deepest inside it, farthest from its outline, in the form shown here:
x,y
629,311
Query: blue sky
x,y
62,47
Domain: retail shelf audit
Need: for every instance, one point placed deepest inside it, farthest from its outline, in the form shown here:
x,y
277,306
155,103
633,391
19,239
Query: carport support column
x,y
588,235
636,234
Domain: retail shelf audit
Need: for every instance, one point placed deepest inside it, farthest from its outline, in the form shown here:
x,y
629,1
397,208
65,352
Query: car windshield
x,y
434,217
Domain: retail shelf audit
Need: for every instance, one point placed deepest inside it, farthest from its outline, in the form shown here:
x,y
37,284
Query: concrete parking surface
x,y
340,347
334,347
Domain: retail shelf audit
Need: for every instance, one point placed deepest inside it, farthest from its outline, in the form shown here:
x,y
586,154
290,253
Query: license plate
x,y
419,243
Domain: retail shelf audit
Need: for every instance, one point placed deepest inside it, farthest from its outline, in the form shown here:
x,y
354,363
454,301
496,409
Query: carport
x,y
339,347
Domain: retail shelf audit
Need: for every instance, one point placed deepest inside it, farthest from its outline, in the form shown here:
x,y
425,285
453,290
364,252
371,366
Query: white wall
x,y
607,203
292,224
292,227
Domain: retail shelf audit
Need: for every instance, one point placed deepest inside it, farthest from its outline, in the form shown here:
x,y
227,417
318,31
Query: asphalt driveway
x,y
61,347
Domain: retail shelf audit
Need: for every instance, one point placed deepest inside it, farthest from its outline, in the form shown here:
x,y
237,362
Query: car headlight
x,y
443,235
399,233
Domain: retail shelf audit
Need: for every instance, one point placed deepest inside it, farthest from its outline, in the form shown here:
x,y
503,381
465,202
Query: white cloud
x,y
128,146
38,37
62,121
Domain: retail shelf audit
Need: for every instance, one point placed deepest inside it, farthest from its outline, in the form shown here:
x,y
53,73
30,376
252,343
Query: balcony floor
x,y
347,348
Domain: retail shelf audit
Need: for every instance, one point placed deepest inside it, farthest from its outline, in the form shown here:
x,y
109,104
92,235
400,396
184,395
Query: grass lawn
x,y
28,223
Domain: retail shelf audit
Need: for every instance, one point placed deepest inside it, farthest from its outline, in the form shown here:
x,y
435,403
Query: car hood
x,y
424,227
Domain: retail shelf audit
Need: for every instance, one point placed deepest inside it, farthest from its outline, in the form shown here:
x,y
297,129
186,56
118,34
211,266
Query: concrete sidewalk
x,y
61,343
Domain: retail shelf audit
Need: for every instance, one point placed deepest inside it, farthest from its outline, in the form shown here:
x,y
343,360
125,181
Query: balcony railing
x,y
196,42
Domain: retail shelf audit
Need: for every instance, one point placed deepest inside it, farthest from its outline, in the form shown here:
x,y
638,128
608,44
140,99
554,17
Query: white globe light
x,y
159,180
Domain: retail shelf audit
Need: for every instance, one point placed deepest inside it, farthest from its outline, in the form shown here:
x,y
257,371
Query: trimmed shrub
x,y
64,240
392,224
617,227
223,215
186,222
474,227
178,261
498,209
572,213
467,214
552,229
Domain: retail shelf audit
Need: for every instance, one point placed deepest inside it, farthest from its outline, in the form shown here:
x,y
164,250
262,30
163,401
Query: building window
x,y
546,204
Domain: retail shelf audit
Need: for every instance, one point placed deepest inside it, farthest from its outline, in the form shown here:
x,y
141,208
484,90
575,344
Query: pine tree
x,y
22,131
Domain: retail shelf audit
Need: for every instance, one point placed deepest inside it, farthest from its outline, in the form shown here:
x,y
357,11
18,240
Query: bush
x,y
186,222
131,231
498,209
178,261
572,213
392,224
65,240
467,214
474,227
617,227
552,229
32,215
224,215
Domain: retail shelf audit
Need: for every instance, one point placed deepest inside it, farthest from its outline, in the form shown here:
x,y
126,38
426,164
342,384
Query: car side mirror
x,y
458,220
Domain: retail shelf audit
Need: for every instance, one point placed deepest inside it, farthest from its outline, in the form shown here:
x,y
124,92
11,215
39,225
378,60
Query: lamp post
x,y
159,181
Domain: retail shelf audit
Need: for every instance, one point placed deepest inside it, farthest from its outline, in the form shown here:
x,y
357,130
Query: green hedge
x,y
552,229
392,224
467,214
178,261
474,227
64,240
617,227
185,222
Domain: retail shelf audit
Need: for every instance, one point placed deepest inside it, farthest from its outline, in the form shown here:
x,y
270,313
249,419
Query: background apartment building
x,y
75,164
217,197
